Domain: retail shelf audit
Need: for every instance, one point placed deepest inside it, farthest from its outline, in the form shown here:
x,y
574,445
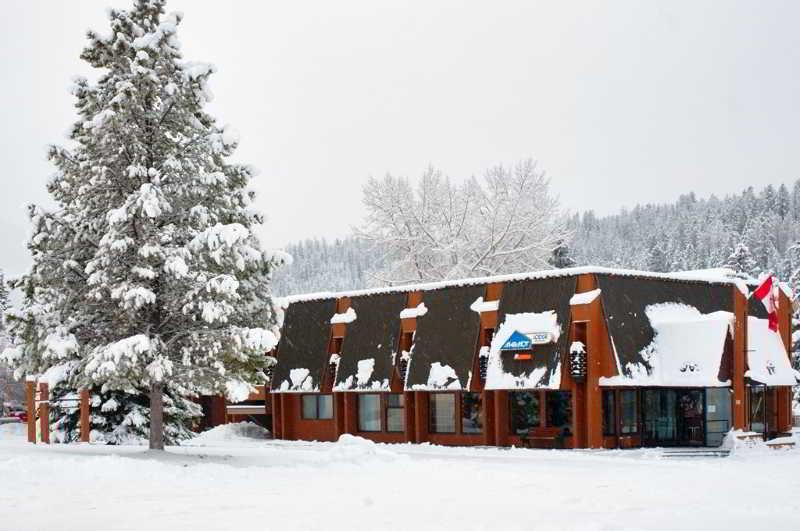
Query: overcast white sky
x,y
621,102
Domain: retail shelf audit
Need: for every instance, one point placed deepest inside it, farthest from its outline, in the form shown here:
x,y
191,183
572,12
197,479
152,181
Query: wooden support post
x,y
502,422
30,403
44,411
410,423
739,404
421,412
85,418
489,429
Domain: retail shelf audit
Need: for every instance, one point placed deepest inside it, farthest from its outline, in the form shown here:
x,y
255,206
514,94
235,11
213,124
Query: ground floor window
x,y
628,411
609,413
718,414
471,413
524,411
443,412
758,409
317,407
559,410
395,412
369,412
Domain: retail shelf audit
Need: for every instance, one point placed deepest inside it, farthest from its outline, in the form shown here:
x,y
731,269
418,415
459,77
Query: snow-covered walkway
x,y
225,481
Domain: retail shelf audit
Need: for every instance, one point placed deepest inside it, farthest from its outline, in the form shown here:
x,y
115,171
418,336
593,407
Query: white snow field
x,y
231,479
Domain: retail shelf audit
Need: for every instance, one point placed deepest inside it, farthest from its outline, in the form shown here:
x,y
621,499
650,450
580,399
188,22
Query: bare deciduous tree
x,y
507,221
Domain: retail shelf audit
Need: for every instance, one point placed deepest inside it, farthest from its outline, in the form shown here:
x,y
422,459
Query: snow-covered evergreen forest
x,y
752,231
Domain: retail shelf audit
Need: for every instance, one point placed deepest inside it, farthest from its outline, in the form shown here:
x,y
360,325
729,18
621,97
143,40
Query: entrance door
x,y
673,417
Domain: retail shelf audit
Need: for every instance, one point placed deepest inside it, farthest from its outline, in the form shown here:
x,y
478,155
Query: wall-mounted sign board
x,y
519,341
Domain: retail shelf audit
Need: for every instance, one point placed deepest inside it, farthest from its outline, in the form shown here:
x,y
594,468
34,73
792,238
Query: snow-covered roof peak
x,y
713,276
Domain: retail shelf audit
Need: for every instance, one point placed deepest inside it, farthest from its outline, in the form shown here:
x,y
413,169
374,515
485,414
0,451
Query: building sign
x,y
517,341
520,341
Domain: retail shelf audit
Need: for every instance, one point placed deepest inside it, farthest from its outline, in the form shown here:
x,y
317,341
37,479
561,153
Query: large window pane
x,y
609,413
628,411
718,414
369,412
325,407
471,411
758,409
524,411
559,410
309,407
443,413
395,412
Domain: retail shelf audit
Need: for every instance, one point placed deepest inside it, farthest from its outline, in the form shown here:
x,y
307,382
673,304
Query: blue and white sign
x,y
517,341
520,341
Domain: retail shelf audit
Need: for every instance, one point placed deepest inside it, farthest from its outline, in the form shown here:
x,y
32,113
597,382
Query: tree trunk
x,y
157,417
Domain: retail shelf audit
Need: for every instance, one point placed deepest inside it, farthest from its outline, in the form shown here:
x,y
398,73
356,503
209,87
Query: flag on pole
x,y
765,292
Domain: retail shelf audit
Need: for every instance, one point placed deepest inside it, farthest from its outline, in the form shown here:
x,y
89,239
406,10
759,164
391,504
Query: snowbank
x,y
360,451
242,432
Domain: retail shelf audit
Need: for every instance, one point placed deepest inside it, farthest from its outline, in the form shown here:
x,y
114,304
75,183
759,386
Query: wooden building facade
x,y
574,358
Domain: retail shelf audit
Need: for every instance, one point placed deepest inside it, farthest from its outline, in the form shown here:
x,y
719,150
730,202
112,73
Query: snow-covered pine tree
x,y
561,256
742,262
147,277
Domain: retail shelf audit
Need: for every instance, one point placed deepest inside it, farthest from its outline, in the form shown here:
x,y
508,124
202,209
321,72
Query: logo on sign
x,y
517,341
520,341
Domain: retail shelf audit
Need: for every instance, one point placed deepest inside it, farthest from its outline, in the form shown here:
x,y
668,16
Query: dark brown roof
x,y
447,334
304,340
625,299
538,296
372,335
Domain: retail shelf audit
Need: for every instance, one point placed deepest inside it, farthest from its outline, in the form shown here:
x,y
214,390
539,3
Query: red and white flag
x,y
766,294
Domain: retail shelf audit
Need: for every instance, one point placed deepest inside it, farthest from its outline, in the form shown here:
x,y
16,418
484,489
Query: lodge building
x,y
572,358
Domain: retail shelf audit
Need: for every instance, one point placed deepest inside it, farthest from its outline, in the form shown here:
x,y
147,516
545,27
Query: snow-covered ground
x,y
232,479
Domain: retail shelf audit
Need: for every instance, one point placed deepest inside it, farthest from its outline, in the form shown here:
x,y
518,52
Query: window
x,y
369,412
395,412
488,336
336,345
443,412
559,410
317,407
609,413
758,409
471,413
628,413
524,411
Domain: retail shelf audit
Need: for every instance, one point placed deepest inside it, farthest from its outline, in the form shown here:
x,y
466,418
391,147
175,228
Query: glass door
x,y
689,417
673,417
659,416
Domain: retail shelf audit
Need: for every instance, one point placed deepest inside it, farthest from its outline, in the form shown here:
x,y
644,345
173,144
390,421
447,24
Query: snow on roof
x,y
440,377
686,350
714,276
299,381
767,360
526,323
584,298
409,313
360,381
347,317
481,306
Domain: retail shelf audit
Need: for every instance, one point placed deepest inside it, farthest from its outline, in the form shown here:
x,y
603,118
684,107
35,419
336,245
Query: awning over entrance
x,y
767,360
687,350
